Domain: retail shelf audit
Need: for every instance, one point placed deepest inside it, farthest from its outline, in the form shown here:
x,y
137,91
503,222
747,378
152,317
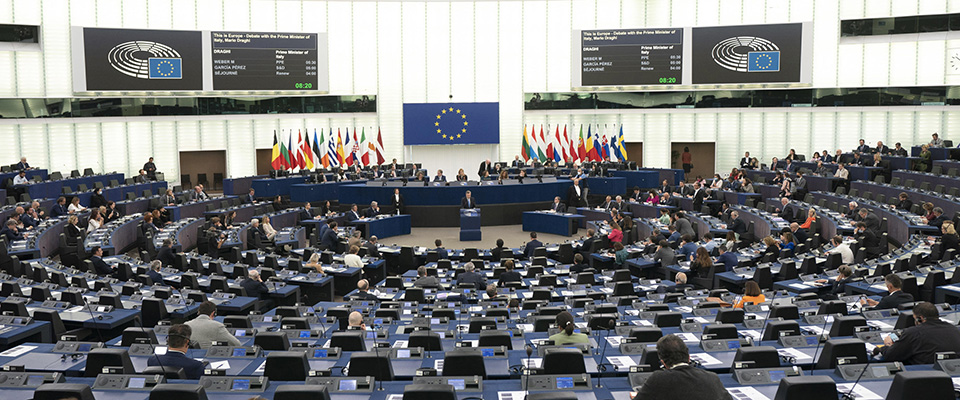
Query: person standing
x,y
151,169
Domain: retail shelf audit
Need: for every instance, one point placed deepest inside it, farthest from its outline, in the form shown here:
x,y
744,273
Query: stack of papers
x,y
859,392
705,359
746,393
623,363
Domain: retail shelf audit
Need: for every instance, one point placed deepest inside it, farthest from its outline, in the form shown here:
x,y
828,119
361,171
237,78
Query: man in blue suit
x,y
353,215
60,208
251,196
442,253
439,177
178,342
154,272
329,239
531,245
470,276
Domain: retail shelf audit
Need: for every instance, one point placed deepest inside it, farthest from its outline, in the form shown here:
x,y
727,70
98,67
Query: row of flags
x,y
560,147
326,149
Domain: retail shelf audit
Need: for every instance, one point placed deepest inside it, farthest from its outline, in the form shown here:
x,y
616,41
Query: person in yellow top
x,y
566,334
751,294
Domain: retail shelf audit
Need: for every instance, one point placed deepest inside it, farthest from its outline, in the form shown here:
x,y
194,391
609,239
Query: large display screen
x,y
631,57
166,60
688,56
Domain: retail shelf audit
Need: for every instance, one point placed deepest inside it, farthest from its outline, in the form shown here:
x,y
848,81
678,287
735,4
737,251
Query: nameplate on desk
x,y
355,384
76,347
460,384
127,382
234,383
801,340
556,382
760,376
11,379
635,347
234,352
712,345
852,372
881,314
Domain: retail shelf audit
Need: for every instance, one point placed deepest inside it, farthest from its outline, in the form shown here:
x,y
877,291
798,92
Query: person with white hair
x,y
469,276
255,287
373,211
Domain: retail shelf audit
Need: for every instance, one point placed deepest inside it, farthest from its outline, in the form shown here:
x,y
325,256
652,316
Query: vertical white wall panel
x,y
901,128
413,60
62,148
390,85
139,145
534,62
364,41
876,64
558,66
134,13
775,134
159,14
186,13
823,132
115,136
165,153
263,16
88,147
798,133
188,136
728,130
656,143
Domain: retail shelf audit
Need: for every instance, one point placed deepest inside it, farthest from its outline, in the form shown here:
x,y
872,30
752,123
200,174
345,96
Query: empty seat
x,y
464,362
272,341
837,348
760,356
558,360
97,359
909,385
59,391
846,325
372,363
349,341
178,391
806,388
301,392
720,331
774,329
286,366
429,341
496,338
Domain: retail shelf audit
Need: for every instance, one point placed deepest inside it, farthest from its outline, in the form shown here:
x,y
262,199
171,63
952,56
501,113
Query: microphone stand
x,y
601,367
376,350
765,322
817,350
526,379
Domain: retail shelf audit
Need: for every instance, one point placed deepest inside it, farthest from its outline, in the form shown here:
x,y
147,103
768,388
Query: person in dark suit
x,y
470,276
517,162
102,268
736,224
165,254
439,177
485,166
308,212
588,241
575,196
745,161
871,220
862,147
442,253
869,240
557,206
699,195
178,343
363,287
578,264
23,165
255,287
373,211
154,272
72,231
151,169
680,284
667,200
10,231
903,202
898,150
509,275
894,299
29,218
881,148
468,201
607,203
371,246
531,245
727,258
920,344
353,214
678,379
497,251
839,285
799,233
328,240
683,190
60,208
251,196
665,254
397,200
937,219
255,233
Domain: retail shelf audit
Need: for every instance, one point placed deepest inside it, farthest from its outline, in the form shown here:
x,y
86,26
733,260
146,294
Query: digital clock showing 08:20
x,y
668,80
304,85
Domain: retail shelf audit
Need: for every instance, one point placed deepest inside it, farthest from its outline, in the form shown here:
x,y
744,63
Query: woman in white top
x,y
352,259
75,206
95,221
268,228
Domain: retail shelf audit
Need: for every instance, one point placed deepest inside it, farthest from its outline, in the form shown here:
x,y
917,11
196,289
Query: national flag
x,y
284,156
332,150
621,151
571,152
275,162
366,147
606,148
291,152
524,146
347,149
355,149
341,160
318,146
581,148
557,149
549,142
540,155
589,145
307,150
380,158
597,154
301,163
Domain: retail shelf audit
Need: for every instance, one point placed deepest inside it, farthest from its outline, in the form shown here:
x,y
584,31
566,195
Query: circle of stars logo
x,y
165,68
766,59
451,130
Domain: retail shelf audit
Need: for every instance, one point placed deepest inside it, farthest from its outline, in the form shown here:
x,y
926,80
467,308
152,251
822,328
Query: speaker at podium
x,y
470,224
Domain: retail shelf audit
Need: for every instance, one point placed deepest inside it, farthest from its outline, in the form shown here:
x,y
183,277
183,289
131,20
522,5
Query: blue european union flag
x,y
451,123
165,68
763,61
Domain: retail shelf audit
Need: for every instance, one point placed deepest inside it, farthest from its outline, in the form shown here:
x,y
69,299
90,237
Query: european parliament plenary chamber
x,y
463,199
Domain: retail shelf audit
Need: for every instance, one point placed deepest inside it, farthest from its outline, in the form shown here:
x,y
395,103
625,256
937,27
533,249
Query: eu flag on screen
x,y
451,123
763,61
165,68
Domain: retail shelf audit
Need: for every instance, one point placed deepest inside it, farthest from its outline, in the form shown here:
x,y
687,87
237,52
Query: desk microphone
x,y
376,350
817,350
765,322
849,395
526,380
601,367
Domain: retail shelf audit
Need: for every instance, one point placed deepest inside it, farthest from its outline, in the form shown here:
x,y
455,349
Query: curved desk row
x,y
898,228
116,237
119,193
54,189
933,179
950,208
